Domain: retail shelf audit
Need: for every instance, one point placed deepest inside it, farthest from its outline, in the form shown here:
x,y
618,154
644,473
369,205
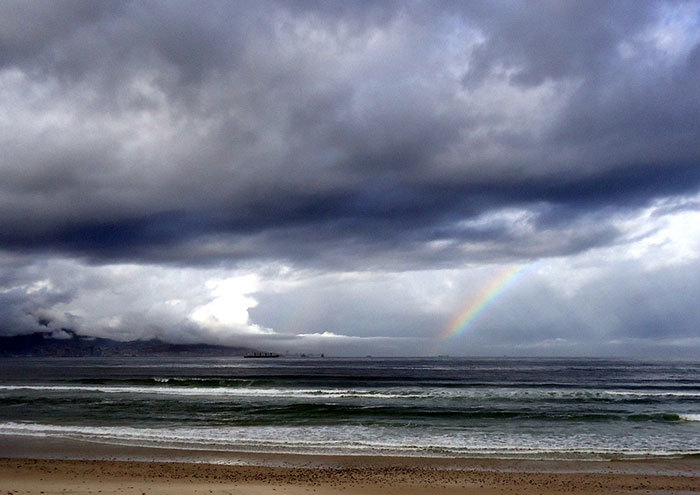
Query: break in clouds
x,y
348,177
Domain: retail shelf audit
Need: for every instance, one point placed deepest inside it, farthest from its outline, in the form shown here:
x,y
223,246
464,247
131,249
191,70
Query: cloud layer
x,y
226,140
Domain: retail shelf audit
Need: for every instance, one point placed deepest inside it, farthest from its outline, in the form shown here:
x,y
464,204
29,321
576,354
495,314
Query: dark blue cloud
x,y
310,130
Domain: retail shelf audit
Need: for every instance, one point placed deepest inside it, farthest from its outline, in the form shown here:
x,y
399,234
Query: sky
x,y
408,178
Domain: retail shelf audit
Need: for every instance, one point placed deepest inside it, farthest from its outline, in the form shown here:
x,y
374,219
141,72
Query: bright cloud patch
x,y
228,310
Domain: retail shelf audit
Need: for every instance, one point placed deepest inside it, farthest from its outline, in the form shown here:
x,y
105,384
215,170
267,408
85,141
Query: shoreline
x,y
51,448
35,466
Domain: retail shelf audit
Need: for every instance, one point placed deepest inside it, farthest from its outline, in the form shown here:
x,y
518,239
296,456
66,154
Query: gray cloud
x,y
545,40
335,136
133,125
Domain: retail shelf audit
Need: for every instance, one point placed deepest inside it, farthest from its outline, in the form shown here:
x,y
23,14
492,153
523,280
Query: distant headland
x,y
45,344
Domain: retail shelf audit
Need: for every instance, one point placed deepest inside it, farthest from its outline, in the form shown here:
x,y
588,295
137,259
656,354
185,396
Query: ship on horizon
x,y
261,355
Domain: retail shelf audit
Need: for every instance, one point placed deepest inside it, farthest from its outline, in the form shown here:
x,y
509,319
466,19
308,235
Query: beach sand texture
x,y
23,476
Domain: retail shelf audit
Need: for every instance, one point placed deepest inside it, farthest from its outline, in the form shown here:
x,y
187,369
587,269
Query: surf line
x,y
487,295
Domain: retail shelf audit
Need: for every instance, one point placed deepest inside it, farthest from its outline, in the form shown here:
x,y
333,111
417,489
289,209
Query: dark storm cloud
x,y
378,229
338,134
28,29
551,40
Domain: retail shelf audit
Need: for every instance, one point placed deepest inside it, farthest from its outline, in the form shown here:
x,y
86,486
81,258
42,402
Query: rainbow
x,y
483,299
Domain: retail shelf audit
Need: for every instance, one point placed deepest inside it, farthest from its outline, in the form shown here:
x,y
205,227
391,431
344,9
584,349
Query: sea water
x,y
532,408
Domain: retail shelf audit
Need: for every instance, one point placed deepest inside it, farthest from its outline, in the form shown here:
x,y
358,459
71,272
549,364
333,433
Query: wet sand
x,y
355,475
42,466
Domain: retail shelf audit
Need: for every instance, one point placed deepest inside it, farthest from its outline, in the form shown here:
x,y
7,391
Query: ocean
x,y
449,407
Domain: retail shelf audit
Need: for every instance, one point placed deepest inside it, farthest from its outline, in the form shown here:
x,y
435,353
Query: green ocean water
x,y
541,408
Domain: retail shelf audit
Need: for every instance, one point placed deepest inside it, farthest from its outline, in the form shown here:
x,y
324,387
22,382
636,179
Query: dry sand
x,y
356,476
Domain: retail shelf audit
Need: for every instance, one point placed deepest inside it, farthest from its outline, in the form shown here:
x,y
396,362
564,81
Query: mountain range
x,y
67,343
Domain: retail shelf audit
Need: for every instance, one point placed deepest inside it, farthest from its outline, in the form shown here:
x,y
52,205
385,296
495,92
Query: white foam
x,y
468,393
359,439
653,393
216,391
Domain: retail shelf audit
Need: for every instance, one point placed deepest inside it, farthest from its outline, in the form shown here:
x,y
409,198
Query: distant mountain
x,y
70,344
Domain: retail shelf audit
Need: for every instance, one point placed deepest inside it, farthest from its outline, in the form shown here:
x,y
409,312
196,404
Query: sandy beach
x,y
352,475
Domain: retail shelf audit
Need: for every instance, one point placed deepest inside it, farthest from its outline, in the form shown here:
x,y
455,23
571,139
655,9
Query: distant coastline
x,y
45,344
